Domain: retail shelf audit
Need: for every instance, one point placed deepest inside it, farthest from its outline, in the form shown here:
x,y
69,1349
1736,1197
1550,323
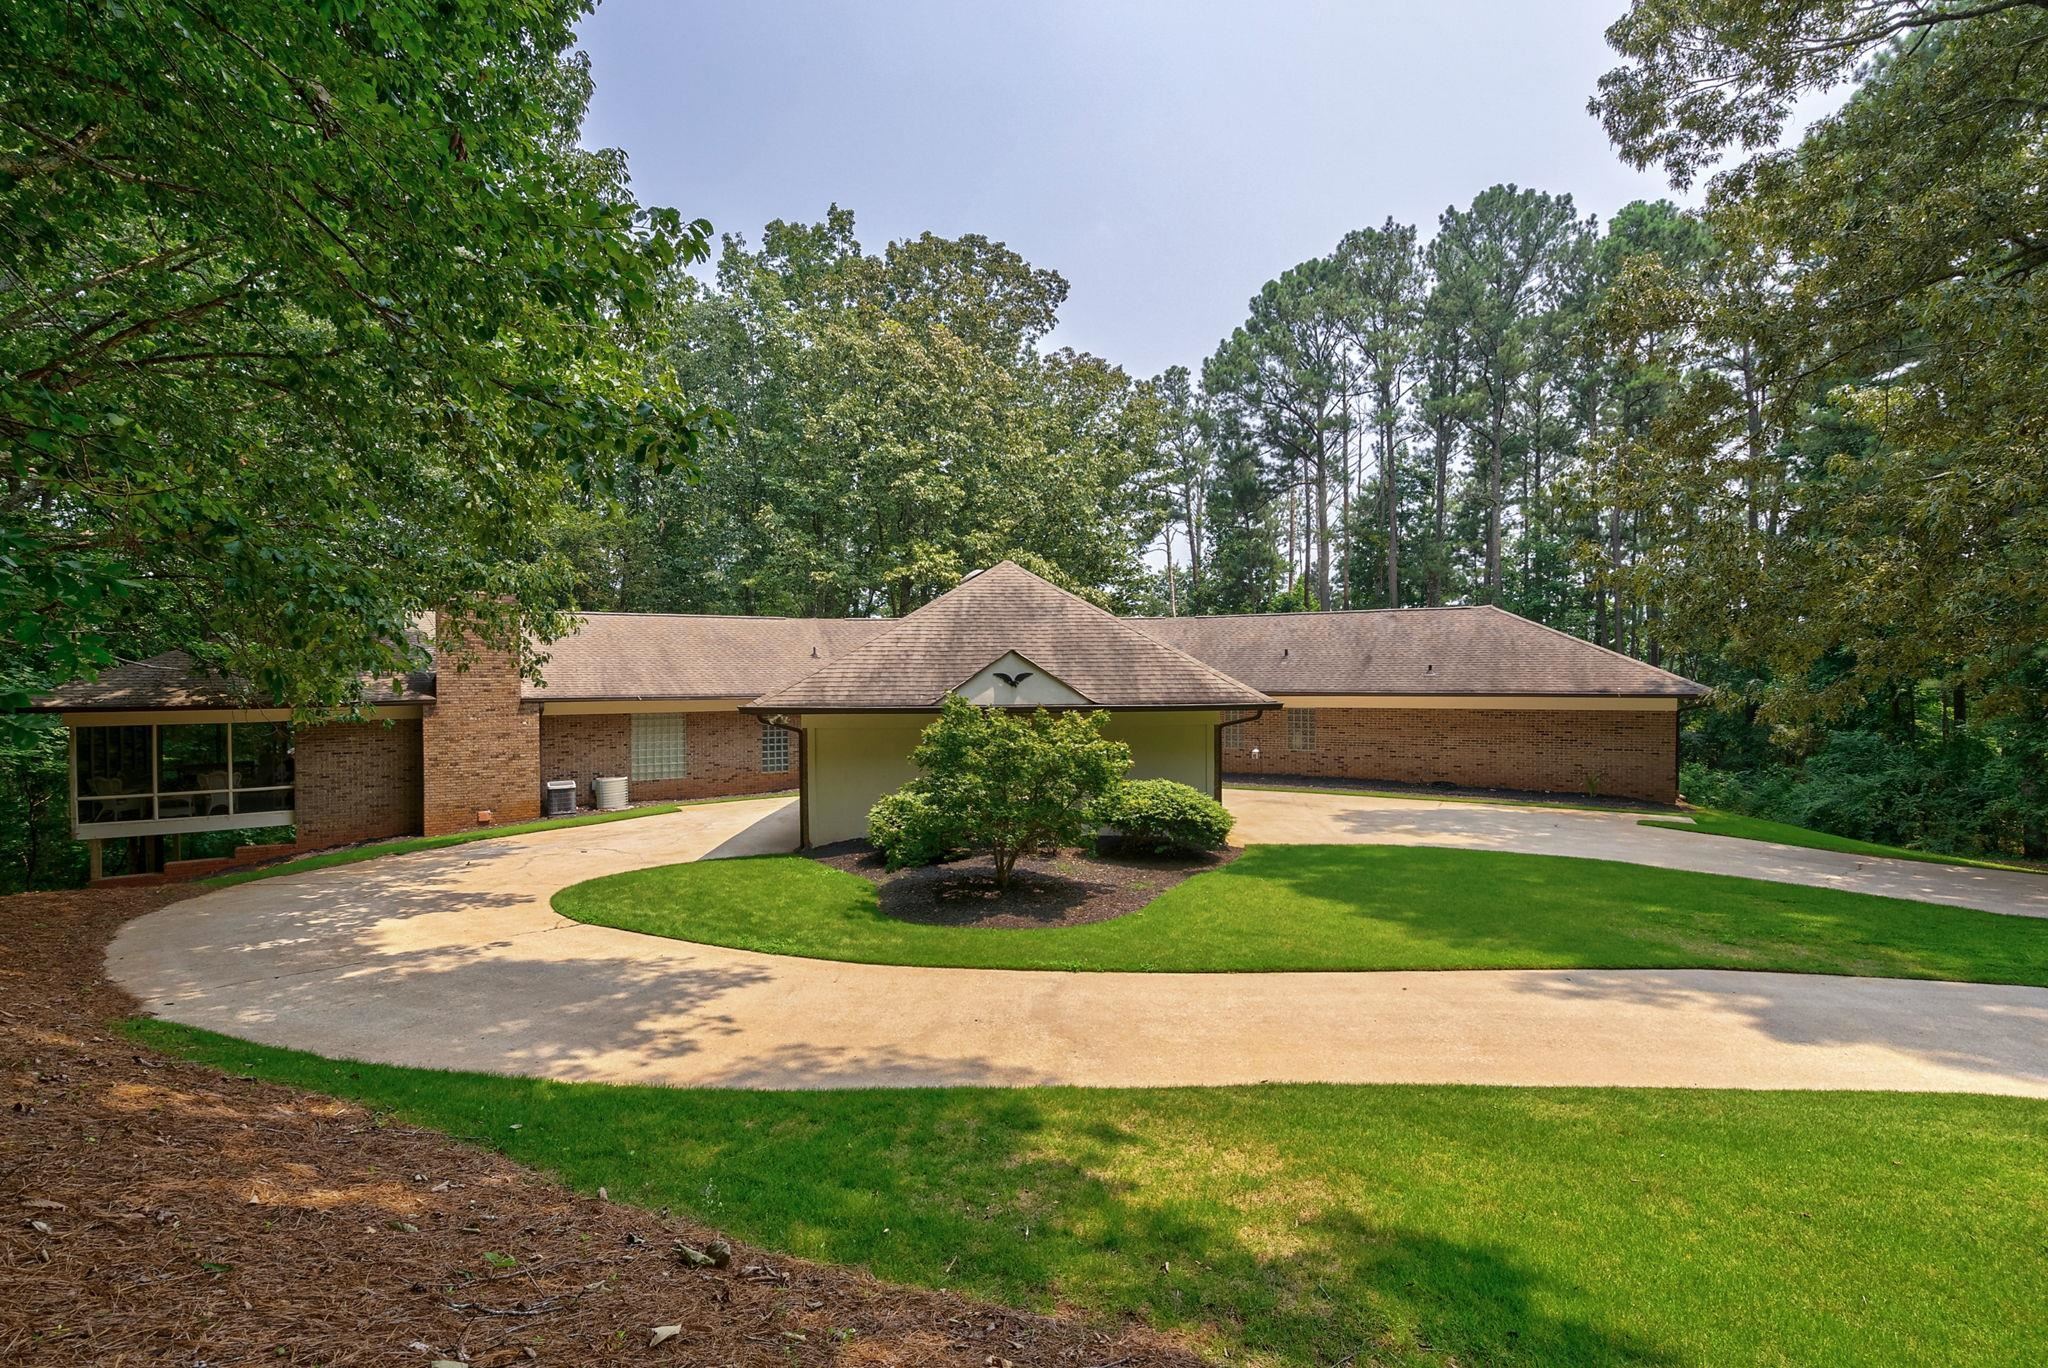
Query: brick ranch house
x,y
690,706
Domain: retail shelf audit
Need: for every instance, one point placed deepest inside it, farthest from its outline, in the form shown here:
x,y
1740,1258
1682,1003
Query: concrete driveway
x,y
453,959
1267,816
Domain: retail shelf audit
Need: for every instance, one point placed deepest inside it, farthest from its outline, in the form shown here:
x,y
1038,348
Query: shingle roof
x,y
677,655
922,657
173,680
881,662
1477,650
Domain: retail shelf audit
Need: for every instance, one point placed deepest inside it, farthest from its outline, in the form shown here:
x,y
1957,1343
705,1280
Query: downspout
x,y
803,776
1216,740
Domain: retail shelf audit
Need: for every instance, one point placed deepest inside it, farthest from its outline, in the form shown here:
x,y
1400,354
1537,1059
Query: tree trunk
x,y
1754,423
1322,523
1390,477
1433,578
1495,436
1172,603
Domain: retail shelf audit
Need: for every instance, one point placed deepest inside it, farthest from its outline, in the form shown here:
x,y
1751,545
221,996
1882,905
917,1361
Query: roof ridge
x,y
1126,623
722,617
1308,614
880,644
1581,641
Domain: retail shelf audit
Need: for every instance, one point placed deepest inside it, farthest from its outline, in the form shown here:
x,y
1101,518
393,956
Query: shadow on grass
x,y
1469,909
1034,1198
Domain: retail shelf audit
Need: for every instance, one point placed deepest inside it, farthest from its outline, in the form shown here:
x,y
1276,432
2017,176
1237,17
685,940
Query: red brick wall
x,y
481,743
356,781
1617,754
584,746
724,755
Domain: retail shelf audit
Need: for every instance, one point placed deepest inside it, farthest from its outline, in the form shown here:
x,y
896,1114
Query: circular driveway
x,y
454,959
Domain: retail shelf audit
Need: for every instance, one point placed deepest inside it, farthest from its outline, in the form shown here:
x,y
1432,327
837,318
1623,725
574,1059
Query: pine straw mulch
x,y
157,1211
1065,888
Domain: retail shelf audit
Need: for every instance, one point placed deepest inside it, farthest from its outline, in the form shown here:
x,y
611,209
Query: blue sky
x,y
1167,159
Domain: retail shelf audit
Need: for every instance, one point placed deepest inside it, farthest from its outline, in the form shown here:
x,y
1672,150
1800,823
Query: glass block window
x,y
1301,729
1236,736
774,750
661,746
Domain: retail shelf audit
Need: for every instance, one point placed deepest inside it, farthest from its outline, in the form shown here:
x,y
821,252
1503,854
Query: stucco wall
x,y
855,759
724,751
1177,746
1611,752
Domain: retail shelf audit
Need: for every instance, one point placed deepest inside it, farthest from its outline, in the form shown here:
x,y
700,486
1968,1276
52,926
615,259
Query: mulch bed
x,y
1070,888
157,1211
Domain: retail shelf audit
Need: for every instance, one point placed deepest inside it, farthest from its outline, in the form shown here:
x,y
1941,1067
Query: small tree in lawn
x,y
1016,784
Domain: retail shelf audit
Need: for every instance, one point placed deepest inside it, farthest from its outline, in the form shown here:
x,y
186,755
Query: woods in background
x,y
1790,443
280,370
894,426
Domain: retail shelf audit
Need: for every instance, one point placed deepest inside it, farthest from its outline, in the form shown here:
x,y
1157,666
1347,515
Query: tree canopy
x,y
896,424
310,318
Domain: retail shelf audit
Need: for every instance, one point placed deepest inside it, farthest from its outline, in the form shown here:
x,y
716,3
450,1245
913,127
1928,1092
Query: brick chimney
x,y
479,744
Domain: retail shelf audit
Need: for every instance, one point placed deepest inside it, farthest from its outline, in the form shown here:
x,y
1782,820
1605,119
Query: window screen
x,y
1301,729
263,755
774,750
661,746
191,759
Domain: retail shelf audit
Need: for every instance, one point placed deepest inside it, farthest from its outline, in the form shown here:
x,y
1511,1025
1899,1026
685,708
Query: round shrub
x,y
910,829
1159,814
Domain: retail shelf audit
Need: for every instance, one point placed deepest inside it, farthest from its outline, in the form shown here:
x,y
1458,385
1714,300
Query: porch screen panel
x,y
262,768
192,770
116,774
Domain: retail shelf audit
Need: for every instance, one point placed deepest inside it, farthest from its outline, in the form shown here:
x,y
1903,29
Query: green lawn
x,y
1351,907
353,854
1715,823
1314,1224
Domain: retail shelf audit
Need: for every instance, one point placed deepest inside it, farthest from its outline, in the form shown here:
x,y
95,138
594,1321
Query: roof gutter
x,y
776,709
803,773
1216,744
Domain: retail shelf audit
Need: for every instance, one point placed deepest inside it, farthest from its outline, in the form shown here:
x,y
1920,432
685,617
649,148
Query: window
x,y
1236,736
1301,729
192,776
260,766
116,774
661,746
774,750
192,770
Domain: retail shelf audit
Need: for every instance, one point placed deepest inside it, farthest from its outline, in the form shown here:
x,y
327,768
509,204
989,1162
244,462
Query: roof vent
x,y
814,653
1429,669
1283,652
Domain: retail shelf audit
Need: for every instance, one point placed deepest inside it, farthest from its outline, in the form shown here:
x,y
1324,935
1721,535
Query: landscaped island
x,y
1350,907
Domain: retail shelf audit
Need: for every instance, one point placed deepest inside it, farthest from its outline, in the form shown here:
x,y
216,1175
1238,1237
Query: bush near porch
x,y
996,783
